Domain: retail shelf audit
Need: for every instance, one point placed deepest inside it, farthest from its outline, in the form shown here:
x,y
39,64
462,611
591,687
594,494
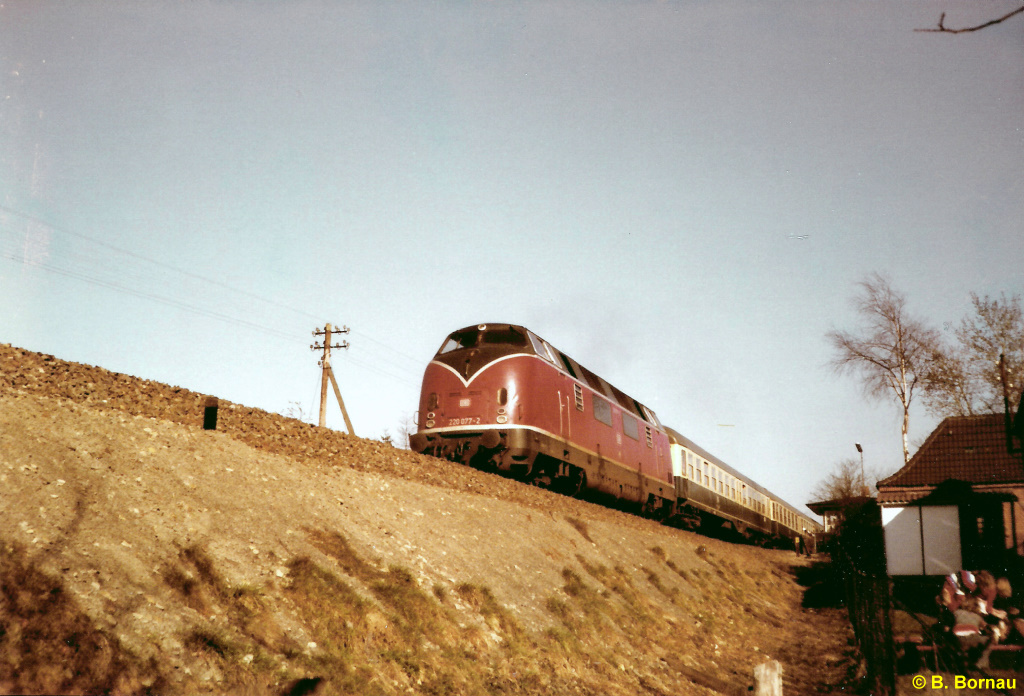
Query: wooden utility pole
x,y
328,373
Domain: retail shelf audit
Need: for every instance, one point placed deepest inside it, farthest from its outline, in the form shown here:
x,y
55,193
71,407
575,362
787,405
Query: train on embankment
x,y
500,398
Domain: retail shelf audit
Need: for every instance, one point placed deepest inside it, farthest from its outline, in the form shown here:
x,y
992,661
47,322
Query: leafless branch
x,y
891,349
942,28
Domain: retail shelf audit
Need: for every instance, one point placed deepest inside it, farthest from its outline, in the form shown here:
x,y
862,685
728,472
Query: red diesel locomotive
x,y
499,397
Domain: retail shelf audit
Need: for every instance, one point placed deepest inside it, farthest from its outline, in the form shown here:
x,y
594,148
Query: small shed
x,y
958,501
833,511
952,527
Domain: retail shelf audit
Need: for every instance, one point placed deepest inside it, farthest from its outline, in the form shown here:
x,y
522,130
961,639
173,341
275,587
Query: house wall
x,y
1012,533
1013,519
922,540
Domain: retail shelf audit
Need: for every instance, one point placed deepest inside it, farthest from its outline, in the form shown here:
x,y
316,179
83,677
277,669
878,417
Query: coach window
x,y
629,427
602,410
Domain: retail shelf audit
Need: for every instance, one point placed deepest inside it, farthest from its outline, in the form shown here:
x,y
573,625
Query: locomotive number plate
x,y
463,421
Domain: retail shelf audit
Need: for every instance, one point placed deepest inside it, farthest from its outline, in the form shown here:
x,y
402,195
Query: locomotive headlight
x,y
429,424
502,419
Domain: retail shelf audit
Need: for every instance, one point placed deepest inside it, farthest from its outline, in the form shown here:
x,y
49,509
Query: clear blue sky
x,y
680,195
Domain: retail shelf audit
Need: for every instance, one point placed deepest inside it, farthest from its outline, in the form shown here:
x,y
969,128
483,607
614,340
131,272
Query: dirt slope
x,y
139,553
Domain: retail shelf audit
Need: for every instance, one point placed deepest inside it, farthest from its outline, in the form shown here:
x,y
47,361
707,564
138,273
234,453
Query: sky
x,y
681,196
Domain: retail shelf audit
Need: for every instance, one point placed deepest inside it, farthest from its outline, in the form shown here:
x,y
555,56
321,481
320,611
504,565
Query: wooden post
x,y
337,393
325,363
328,374
210,413
768,679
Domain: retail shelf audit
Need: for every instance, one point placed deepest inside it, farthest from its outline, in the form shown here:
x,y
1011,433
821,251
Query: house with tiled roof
x,y
964,488
963,448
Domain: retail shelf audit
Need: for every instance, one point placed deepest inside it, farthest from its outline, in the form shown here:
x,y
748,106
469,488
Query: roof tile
x,y
967,448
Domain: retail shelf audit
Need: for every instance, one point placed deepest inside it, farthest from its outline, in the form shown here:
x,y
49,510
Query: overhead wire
x,y
133,278
155,262
153,297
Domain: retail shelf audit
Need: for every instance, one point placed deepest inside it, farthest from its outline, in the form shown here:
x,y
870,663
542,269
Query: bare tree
x,y
891,351
295,411
948,391
846,480
965,377
406,429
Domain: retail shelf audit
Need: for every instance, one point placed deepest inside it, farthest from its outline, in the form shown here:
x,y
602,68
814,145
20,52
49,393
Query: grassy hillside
x,y
139,553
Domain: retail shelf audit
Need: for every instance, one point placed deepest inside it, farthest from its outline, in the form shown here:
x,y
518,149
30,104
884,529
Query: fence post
x,y
210,413
768,679
861,554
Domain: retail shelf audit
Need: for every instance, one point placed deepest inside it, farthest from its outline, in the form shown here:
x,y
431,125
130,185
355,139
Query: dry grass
x,y
581,527
48,645
374,630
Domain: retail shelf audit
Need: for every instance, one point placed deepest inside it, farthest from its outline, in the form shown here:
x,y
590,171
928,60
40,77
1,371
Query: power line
x,y
411,368
161,264
156,298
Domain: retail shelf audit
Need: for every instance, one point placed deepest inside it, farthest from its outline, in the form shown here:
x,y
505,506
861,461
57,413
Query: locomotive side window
x,y
602,410
551,352
592,380
629,427
538,346
568,365
651,418
605,388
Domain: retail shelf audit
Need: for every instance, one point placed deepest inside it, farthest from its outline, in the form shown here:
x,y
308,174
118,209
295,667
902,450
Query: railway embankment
x,y
140,553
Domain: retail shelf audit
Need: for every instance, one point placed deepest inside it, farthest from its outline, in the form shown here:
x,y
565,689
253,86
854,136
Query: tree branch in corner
x,y
946,30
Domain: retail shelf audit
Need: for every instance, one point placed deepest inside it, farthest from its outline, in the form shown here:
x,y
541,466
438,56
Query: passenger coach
x,y
710,492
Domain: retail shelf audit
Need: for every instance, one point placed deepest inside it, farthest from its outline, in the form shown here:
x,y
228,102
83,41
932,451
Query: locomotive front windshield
x,y
471,349
480,337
